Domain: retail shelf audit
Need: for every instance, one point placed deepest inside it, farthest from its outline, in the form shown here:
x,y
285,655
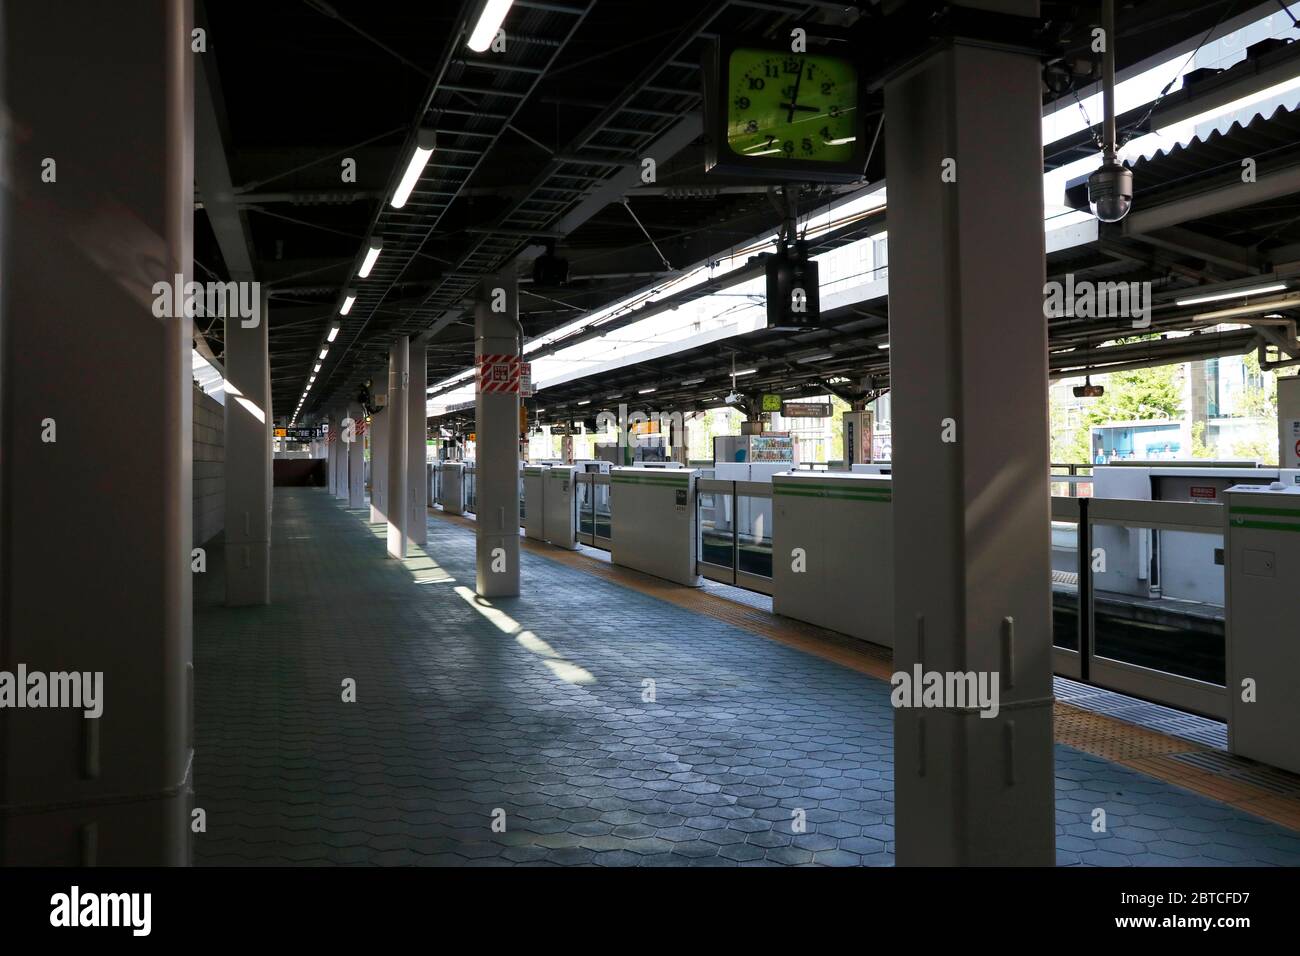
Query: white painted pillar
x,y
968,364
93,379
331,457
398,382
416,478
379,466
357,458
496,333
248,461
341,452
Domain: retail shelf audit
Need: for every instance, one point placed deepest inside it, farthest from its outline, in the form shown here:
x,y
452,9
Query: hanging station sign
x,y
805,410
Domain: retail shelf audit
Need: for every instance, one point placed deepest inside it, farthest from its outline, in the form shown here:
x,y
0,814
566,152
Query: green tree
x,y
1199,448
1071,444
1143,394
1139,395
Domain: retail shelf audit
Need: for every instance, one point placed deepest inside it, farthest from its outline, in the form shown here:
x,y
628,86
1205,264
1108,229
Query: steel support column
x,y
342,475
379,467
417,488
96,428
398,382
248,459
496,333
332,453
357,458
971,501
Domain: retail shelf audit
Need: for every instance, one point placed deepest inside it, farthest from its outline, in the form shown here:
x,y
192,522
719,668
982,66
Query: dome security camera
x,y
1110,191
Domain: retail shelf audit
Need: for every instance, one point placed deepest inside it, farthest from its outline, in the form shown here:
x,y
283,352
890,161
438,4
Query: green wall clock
x,y
782,115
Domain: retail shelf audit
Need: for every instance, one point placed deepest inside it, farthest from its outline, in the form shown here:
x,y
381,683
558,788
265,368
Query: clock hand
x,y
796,106
794,97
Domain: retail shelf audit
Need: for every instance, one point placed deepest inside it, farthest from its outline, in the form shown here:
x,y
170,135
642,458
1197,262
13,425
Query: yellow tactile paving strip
x,y
1140,749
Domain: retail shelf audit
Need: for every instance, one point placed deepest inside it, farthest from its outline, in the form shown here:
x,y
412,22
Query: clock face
x,y
791,106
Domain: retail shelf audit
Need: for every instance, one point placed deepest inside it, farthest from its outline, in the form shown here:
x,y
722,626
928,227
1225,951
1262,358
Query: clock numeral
x,y
755,83
770,140
788,147
751,126
834,112
807,145
825,132
742,102
771,70
793,66
826,88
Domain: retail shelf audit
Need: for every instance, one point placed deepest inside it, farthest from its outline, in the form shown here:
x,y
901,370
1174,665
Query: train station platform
x,y
606,717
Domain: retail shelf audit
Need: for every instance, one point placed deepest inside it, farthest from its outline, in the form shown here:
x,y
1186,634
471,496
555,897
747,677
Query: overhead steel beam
x,y
1226,254
212,171
1243,79
1211,202
1134,355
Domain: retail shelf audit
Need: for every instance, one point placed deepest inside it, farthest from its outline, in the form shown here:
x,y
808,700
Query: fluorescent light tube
x,y
371,255
1232,294
424,145
489,22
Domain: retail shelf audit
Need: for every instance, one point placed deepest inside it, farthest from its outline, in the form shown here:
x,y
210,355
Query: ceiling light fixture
x,y
425,141
372,254
1232,294
1268,305
489,22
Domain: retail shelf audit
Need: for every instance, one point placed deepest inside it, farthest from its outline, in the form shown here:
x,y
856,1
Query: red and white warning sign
x,y
498,373
526,379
